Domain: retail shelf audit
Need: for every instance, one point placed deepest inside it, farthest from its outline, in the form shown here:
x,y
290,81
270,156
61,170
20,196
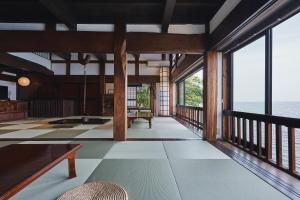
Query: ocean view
x,y
285,109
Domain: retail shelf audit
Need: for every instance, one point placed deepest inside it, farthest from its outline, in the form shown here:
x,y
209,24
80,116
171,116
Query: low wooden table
x,y
21,164
142,115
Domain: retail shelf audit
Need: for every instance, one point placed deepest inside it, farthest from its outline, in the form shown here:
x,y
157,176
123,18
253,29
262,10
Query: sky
x,y
249,62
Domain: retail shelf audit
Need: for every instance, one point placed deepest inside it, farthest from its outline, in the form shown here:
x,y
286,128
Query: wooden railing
x,y
192,115
246,130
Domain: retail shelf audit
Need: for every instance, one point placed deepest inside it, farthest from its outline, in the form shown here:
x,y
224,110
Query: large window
x,y
181,93
138,97
249,77
191,90
286,68
266,73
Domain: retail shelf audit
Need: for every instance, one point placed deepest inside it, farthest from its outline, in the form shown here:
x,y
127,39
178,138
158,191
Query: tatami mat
x,y
220,179
56,182
142,179
137,150
29,133
192,149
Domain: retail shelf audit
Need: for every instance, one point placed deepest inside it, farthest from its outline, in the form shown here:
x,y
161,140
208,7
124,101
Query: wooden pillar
x,y
102,85
210,80
171,88
225,96
120,82
68,67
137,64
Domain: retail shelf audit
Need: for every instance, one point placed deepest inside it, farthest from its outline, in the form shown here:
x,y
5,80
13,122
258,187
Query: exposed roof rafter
x,y
61,11
167,15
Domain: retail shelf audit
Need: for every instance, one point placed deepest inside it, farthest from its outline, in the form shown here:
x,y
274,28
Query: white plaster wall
x,y
33,58
59,68
222,13
12,89
78,69
96,27
144,70
110,56
109,69
187,28
22,26
92,69
130,57
153,28
150,57
131,69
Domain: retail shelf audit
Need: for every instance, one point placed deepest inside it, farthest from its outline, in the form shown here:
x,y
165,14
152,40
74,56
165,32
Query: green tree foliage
x,y
143,97
193,91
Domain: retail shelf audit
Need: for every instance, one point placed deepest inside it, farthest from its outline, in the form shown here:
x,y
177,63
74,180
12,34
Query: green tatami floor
x,y
148,170
162,127
154,170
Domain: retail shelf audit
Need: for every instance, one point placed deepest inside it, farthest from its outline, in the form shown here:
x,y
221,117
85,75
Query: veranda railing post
x,y
244,133
251,134
259,152
268,140
291,148
279,145
239,131
233,129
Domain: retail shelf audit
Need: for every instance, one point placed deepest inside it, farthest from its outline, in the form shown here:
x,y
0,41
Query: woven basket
x,y
96,191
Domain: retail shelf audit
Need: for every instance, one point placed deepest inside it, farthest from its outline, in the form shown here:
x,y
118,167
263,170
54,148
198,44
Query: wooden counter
x,y
13,110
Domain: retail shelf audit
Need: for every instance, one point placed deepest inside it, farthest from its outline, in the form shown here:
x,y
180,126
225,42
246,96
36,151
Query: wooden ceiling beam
x,y
61,11
5,77
167,15
165,43
15,62
100,42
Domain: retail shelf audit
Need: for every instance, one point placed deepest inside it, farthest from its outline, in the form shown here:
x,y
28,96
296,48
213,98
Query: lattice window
x,y
164,91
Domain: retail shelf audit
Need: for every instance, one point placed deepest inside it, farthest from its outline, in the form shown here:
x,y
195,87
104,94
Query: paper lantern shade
x,y
24,81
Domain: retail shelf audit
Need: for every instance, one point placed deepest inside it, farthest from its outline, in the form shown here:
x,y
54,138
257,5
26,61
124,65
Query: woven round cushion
x,y
96,191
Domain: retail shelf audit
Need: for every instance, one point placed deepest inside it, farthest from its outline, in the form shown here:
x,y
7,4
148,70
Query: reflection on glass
x,y
249,77
286,68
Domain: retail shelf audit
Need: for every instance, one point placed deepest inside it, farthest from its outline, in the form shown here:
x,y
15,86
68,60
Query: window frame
x,y
268,65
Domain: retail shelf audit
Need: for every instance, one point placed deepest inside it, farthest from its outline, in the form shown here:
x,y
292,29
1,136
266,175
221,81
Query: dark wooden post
x,y
68,67
137,64
120,81
225,97
210,80
102,85
171,87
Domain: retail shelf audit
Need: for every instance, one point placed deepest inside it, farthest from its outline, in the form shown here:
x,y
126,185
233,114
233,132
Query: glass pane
x,y
193,90
181,93
249,77
286,68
